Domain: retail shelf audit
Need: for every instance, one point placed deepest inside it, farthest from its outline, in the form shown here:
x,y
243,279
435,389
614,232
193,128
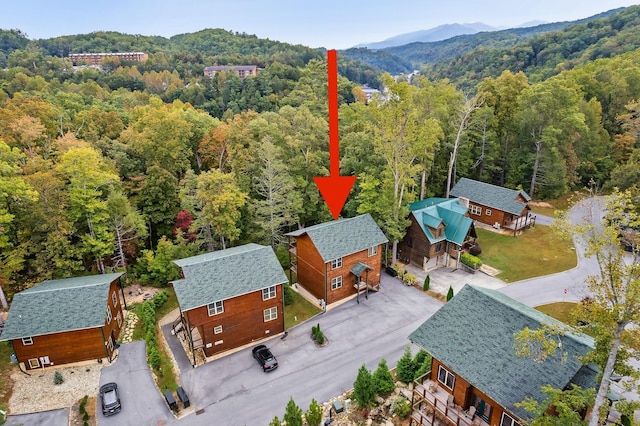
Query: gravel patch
x,y
38,393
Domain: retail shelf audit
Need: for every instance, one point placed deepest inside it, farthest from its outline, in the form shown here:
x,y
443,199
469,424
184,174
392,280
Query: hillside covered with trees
x,y
131,165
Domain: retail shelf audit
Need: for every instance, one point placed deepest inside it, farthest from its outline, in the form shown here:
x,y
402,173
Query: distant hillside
x,y
545,55
415,55
441,32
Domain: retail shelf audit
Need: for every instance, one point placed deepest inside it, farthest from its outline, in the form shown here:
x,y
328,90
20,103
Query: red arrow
x,y
334,188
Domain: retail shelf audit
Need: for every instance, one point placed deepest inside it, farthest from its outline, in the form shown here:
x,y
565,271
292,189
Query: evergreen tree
x,y
313,416
450,293
404,369
275,422
293,414
382,379
363,390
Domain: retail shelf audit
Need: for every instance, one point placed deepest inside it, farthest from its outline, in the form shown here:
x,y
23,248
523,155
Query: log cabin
x,y
439,228
65,321
230,298
494,205
476,377
338,259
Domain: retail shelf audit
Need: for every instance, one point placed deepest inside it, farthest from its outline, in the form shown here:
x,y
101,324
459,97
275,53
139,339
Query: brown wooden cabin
x,y
494,205
230,298
338,259
439,228
64,321
476,378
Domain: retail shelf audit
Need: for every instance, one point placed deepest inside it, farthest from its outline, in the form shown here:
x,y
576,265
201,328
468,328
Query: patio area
x,y
434,406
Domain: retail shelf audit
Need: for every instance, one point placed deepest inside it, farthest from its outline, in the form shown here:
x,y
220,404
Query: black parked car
x,y
110,399
265,358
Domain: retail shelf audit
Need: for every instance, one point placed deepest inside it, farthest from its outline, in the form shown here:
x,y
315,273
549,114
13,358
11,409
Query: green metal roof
x,y
59,305
431,212
343,237
473,335
359,268
490,195
224,274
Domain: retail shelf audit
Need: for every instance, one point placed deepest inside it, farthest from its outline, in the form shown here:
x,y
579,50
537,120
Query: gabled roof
x,y
432,212
59,305
489,195
343,237
224,274
473,335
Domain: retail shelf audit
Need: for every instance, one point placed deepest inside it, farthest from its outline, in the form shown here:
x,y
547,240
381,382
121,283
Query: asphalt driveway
x,y
233,390
142,403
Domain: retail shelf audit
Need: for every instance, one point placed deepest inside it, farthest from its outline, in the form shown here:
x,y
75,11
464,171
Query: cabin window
x,y
336,282
215,308
269,293
507,420
410,242
438,247
475,210
114,298
270,314
217,329
34,363
119,319
109,344
440,232
336,263
372,251
483,408
487,212
446,377
109,315
26,341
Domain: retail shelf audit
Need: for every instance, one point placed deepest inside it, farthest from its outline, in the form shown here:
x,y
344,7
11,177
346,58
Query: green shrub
x,y
314,332
404,369
57,378
313,416
288,295
450,293
154,357
427,280
401,406
85,416
293,414
423,368
282,253
160,299
275,422
382,379
409,278
320,339
363,391
471,261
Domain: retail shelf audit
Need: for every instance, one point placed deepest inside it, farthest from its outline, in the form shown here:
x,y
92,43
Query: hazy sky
x,y
334,24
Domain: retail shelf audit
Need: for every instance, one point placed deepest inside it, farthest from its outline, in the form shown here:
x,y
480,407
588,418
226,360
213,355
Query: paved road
x,y
142,403
44,418
234,391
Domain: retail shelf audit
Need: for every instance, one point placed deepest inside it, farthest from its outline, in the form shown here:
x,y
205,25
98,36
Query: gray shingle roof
x,y
473,335
490,195
343,237
59,305
433,211
224,274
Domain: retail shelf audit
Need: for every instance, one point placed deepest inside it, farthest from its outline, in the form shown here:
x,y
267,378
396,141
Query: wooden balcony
x,y
432,406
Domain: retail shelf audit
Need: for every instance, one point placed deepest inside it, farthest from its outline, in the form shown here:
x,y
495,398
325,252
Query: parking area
x,y
141,401
44,418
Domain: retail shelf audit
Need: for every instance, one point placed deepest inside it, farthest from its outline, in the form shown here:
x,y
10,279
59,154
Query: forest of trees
x,y
136,164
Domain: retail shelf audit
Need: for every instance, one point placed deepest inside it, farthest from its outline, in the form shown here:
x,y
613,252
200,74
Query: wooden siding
x,y
463,393
415,246
76,345
310,267
242,321
348,279
63,348
496,215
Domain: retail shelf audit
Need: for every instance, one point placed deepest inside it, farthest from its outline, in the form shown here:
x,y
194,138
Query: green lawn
x,y
299,311
534,253
559,310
